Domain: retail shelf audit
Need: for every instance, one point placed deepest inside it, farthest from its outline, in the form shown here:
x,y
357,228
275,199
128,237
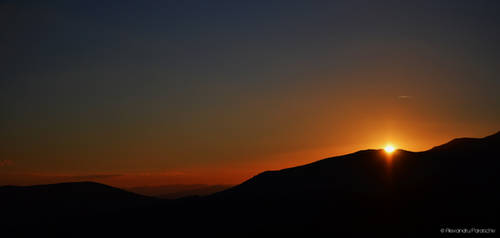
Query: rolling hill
x,y
409,194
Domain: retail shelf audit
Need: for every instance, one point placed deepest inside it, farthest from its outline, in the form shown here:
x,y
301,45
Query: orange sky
x,y
229,173
189,92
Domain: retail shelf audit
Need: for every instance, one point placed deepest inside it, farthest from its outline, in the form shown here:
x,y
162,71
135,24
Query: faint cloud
x,y
6,163
405,97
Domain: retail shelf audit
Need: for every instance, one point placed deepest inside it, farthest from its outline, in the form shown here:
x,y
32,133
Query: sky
x,y
138,93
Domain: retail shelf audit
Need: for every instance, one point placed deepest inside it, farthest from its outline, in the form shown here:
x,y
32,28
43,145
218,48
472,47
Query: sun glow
x,y
389,149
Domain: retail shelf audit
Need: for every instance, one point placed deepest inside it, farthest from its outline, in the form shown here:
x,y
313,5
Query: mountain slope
x,y
63,191
367,193
453,185
461,161
178,190
54,202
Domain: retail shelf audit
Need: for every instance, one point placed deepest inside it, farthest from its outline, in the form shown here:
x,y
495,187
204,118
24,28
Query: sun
x,y
389,149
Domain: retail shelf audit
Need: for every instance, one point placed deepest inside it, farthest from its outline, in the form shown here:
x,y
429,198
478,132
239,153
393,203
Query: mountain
x,y
175,191
459,162
370,192
367,193
51,203
61,192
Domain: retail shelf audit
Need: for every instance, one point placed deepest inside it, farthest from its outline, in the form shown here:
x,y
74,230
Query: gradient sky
x,y
135,93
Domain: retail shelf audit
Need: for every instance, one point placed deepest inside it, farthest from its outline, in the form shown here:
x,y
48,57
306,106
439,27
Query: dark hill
x,y
175,191
52,203
84,191
367,193
461,161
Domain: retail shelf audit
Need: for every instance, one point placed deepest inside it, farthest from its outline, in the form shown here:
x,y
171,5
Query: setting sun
x,y
389,149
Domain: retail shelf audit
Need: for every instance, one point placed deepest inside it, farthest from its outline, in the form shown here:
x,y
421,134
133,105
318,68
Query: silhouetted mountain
x,y
409,194
175,191
461,161
54,202
403,194
83,191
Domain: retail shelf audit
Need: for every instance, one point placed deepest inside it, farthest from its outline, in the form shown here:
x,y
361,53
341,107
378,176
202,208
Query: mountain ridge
x,y
368,192
376,163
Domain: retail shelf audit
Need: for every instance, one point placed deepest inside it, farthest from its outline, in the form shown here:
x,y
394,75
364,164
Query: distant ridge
x,y
50,203
82,190
395,195
466,141
366,193
178,190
